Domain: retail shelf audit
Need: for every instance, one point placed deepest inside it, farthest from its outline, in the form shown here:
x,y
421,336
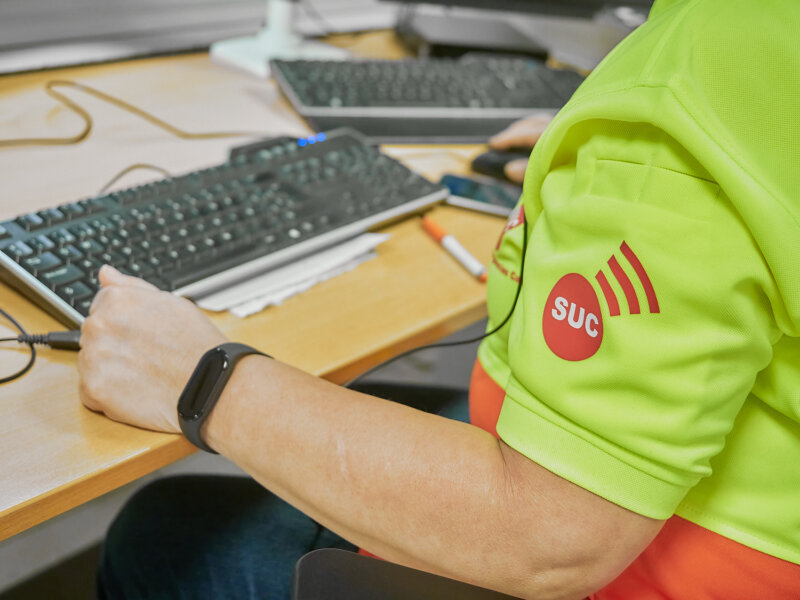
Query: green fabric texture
x,y
681,150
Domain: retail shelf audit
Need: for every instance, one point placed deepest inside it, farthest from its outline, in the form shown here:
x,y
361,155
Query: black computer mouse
x,y
493,162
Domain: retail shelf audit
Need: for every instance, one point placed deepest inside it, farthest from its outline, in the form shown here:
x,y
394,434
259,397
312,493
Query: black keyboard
x,y
432,100
269,203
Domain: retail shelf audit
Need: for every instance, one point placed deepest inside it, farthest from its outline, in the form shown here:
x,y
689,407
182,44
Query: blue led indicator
x,y
302,142
312,139
321,137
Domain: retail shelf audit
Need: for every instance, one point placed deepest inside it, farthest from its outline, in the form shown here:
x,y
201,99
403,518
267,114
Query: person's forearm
x,y
384,476
411,487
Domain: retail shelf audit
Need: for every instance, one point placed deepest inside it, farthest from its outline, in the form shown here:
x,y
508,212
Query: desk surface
x,y
55,454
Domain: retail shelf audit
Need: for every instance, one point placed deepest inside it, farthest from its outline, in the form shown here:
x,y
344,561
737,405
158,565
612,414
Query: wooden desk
x,y
55,454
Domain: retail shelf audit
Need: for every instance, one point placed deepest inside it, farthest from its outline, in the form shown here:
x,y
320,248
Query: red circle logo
x,y
572,323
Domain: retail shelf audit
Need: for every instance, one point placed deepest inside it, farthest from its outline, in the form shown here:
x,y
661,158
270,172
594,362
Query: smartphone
x,y
481,194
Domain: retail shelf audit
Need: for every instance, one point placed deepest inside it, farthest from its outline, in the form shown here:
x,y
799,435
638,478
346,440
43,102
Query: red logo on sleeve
x,y
515,219
572,323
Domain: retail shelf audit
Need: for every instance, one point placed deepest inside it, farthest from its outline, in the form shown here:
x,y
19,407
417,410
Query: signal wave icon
x,y
626,285
572,321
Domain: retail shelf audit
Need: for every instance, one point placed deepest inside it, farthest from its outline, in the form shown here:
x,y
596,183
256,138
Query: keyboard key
x,y
82,306
124,197
181,233
52,216
169,255
41,262
90,265
94,205
83,231
4,233
18,249
115,242
41,243
31,222
68,253
102,224
90,246
73,210
111,258
74,291
62,275
142,270
62,236
157,243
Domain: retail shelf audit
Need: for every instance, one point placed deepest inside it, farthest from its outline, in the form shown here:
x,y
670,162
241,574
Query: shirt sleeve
x,y
642,322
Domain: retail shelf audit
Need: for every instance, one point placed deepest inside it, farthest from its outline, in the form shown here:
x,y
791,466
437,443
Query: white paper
x,y
275,286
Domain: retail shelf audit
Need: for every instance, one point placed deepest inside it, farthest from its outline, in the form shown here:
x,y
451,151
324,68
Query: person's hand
x,y
520,134
139,346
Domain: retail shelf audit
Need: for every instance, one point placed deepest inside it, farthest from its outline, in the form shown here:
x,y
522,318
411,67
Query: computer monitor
x,y
568,8
577,32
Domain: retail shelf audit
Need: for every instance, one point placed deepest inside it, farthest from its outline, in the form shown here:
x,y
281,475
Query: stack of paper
x,y
275,286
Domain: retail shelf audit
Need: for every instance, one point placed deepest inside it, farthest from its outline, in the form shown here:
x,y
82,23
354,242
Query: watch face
x,y
201,383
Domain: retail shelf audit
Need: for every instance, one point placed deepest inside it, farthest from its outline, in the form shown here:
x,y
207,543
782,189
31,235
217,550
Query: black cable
x,y
22,331
58,340
70,340
386,363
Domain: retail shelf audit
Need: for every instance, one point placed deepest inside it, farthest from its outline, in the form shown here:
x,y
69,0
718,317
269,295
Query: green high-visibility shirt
x,y
653,356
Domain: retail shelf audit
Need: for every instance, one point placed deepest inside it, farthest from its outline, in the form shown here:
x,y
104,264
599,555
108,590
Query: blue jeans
x,y
224,536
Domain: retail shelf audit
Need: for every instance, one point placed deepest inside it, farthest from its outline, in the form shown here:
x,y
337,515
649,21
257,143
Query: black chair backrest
x,y
332,574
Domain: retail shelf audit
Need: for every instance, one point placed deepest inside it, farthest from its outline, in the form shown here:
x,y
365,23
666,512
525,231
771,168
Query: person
x,y
634,427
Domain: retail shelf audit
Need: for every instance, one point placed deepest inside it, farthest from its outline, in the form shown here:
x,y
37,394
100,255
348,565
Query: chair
x,y
333,574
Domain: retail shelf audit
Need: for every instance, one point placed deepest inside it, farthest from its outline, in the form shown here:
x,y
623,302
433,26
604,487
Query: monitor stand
x,y
276,40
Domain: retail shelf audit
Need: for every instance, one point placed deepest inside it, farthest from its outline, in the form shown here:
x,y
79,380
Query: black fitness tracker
x,y
205,387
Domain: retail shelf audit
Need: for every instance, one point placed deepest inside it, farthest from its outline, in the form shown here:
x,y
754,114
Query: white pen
x,y
454,247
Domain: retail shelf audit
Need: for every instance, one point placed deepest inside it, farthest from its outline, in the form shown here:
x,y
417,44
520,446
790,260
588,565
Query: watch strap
x,y
230,353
